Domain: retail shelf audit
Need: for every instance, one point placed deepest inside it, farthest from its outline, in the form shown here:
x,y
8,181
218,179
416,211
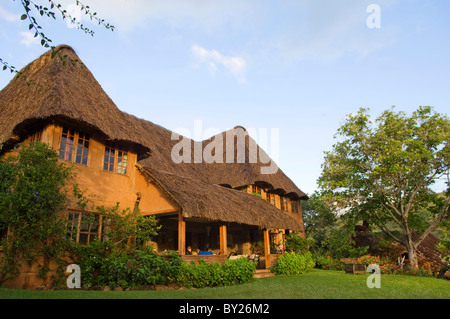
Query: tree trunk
x,y
412,252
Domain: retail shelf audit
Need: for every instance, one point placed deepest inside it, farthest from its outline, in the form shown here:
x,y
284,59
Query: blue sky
x,y
299,66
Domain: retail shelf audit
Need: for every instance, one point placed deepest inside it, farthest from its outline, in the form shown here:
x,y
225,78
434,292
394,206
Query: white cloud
x,y
126,15
28,39
234,64
8,16
334,30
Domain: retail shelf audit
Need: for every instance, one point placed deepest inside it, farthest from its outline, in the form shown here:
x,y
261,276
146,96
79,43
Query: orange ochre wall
x,y
104,188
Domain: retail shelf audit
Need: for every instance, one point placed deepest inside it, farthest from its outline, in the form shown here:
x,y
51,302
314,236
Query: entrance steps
x,y
262,273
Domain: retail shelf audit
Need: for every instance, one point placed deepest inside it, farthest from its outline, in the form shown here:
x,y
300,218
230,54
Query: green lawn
x,y
318,284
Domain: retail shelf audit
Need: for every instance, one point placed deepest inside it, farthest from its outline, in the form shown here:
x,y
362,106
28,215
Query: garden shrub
x,y
328,262
203,274
293,264
136,268
238,271
91,259
140,268
297,244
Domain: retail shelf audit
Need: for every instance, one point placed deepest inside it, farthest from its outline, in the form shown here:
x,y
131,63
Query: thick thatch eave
x,y
205,201
59,92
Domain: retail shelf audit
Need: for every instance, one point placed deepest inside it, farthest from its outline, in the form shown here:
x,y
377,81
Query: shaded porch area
x,y
213,241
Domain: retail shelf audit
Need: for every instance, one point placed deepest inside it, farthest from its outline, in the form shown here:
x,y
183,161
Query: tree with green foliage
x,y
384,172
32,192
318,217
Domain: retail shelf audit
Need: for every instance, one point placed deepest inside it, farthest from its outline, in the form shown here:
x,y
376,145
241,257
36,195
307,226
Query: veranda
x,y
214,241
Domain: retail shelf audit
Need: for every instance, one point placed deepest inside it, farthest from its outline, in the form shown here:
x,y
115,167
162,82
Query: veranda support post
x,y
223,240
267,248
181,234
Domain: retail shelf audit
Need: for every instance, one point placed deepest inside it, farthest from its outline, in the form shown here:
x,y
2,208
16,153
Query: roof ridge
x,y
67,90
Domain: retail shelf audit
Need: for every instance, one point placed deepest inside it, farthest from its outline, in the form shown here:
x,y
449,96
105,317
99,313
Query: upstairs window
x,y
115,160
284,203
110,154
74,146
242,189
122,162
66,146
256,189
82,149
294,205
270,198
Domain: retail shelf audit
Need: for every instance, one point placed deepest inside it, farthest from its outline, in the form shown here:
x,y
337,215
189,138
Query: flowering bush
x,y
424,270
387,266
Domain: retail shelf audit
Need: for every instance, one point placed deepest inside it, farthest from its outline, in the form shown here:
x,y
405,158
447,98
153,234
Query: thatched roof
x,y
233,174
61,92
205,201
251,171
71,93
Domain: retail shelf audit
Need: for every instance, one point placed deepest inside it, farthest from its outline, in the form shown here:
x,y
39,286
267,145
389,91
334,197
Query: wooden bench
x,y
351,267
